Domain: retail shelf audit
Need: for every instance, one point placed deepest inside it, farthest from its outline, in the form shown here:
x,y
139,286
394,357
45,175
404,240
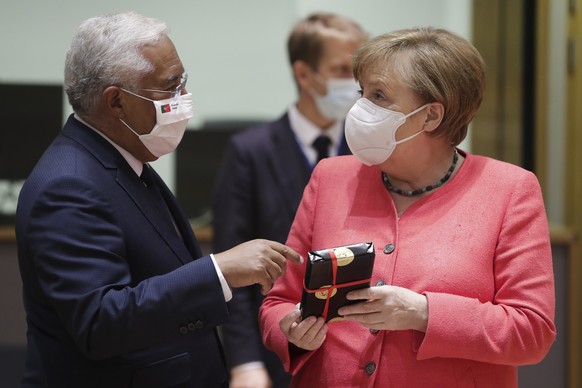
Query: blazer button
x,y
374,331
191,326
199,324
370,368
380,283
183,330
389,248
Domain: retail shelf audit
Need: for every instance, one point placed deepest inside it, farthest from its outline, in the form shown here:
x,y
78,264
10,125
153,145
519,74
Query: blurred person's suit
x,y
269,170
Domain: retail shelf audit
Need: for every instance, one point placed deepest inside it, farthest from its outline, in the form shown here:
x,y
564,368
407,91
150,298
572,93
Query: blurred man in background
x,y
267,167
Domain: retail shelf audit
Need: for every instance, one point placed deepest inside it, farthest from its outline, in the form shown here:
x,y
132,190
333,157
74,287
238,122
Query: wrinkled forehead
x,y
167,66
395,66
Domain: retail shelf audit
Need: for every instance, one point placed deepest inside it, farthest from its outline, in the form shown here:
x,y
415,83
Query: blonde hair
x,y
437,65
305,42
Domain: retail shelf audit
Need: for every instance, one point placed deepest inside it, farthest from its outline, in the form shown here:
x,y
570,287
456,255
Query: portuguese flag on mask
x,y
166,108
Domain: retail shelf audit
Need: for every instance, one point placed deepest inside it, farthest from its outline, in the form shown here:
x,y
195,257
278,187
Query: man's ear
x,y
113,101
303,74
435,112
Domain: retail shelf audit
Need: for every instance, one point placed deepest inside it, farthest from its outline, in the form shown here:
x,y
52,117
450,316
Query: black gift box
x,y
352,266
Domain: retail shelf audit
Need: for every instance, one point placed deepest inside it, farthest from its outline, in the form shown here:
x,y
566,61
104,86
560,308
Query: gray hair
x,y
105,51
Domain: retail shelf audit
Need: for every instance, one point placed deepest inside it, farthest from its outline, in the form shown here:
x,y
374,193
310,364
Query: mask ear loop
x,y
322,81
417,110
409,137
414,134
130,128
137,95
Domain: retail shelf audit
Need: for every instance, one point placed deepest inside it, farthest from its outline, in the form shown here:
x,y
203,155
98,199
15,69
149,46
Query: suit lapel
x,y
150,209
182,223
112,160
289,166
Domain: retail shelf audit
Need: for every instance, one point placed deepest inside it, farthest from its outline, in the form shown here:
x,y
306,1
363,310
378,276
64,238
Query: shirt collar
x,y
306,132
135,164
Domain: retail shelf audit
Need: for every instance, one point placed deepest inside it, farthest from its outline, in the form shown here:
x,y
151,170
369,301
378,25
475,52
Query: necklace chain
x,y
411,193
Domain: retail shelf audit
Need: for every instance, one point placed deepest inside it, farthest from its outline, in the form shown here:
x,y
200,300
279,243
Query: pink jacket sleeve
x,y
517,326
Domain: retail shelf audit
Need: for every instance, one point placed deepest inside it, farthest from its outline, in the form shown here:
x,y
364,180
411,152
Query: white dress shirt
x,y
306,132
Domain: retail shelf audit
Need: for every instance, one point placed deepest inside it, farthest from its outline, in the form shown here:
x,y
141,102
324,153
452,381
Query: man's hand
x,y
255,262
250,378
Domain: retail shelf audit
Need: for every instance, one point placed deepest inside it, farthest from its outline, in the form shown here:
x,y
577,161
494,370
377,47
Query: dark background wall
x,y
12,318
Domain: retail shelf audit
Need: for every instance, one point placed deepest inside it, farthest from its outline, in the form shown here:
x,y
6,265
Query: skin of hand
x,y
250,378
388,308
255,262
308,334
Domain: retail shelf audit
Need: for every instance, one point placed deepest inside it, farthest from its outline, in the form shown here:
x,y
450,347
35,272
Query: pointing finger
x,y
289,253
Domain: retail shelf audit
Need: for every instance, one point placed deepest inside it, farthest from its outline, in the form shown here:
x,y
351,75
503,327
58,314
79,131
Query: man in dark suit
x,y
116,291
266,169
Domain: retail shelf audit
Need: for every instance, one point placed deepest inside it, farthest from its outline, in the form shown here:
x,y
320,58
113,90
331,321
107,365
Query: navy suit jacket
x,y
257,193
114,297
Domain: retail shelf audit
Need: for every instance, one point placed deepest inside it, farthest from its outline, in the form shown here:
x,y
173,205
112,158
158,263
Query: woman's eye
x,y
360,93
378,96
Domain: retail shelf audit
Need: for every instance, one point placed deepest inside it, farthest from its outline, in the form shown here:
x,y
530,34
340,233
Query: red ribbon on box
x,y
330,290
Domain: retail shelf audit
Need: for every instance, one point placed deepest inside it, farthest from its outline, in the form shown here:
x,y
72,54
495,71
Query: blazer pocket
x,y
171,372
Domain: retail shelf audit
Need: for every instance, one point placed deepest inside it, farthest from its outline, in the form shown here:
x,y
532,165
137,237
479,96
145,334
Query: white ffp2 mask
x,y
371,131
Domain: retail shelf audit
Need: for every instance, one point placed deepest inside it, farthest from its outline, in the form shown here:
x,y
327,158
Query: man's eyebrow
x,y
172,79
175,77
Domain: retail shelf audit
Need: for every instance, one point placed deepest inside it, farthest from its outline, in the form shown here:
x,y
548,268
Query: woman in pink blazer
x,y
462,287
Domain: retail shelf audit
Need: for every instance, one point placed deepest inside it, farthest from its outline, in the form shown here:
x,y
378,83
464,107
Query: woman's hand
x,y
388,308
308,334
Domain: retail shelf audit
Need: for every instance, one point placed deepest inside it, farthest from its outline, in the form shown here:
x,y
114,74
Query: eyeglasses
x,y
176,92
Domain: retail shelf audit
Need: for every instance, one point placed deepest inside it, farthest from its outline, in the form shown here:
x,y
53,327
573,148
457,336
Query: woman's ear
x,y
434,117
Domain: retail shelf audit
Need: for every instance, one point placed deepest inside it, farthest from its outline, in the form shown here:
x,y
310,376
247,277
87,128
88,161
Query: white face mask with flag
x,y
172,115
